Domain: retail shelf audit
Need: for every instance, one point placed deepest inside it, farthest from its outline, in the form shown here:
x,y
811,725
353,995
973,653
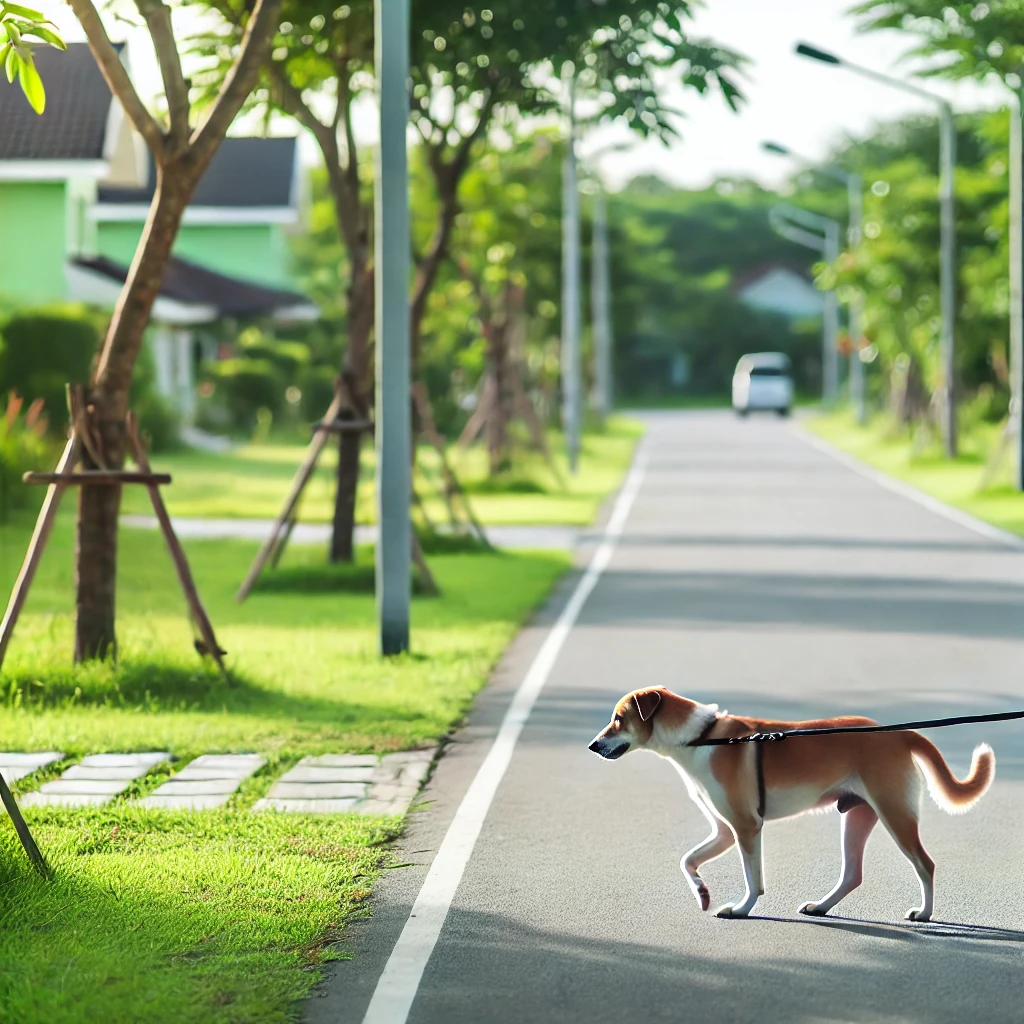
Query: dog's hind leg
x,y
856,827
749,843
720,841
901,823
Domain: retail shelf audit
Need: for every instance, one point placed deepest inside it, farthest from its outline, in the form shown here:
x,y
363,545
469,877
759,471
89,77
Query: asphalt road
x,y
758,572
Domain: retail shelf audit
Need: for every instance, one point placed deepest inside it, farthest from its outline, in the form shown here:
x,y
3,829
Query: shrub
x,y
317,387
23,447
43,349
245,386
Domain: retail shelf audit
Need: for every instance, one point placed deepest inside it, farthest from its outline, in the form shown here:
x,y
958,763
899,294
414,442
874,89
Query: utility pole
x,y
855,203
600,297
393,368
571,284
1015,428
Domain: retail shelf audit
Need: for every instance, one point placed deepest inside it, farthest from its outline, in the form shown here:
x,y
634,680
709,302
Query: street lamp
x,y
827,243
600,303
393,361
571,411
854,201
947,260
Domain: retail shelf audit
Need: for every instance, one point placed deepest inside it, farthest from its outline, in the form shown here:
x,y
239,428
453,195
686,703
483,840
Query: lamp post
x,y
600,301
854,201
1016,424
827,243
393,361
571,282
947,218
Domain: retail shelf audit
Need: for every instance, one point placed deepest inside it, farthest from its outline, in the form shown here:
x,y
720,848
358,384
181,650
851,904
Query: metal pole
x,y
393,371
571,287
1016,425
830,322
600,298
947,282
855,195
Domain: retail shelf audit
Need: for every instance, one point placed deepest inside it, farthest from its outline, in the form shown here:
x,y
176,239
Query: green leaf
x,y
26,12
11,62
13,32
47,36
32,85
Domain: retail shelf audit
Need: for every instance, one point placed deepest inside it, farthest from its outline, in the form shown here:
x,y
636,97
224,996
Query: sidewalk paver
x,y
350,783
16,766
94,781
208,781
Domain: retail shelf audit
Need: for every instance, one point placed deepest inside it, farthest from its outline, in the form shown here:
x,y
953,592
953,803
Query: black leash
x,y
760,738
932,723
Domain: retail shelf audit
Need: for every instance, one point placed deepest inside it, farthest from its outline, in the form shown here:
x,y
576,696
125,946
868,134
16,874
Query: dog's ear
x,y
647,702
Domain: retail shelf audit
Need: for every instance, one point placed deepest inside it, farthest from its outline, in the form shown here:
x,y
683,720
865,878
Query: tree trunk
x,y
98,507
498,420
357,380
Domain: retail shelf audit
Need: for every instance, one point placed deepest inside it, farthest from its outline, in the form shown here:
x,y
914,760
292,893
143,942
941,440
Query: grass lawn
x,y
956,482
253,480
210,917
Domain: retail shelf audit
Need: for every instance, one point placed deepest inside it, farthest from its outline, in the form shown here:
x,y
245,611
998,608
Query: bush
x,y
245,386
43,349
317,386
23,447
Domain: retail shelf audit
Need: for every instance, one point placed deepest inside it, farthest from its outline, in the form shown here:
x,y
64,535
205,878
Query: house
x,y
75,188
779,288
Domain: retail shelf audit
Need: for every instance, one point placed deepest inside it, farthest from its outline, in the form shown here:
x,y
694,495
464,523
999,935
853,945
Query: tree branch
x,y
241,79
158,20
116,76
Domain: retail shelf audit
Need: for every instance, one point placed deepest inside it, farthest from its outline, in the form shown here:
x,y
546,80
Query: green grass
x,y
202,918
921,463
219,916
253,480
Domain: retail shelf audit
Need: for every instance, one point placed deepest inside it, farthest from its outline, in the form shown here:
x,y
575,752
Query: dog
x,y
870,777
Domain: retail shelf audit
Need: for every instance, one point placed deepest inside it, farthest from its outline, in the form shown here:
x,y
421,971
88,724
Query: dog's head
x,y
632,723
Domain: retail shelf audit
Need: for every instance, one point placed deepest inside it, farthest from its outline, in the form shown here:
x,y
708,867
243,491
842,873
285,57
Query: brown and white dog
x,y
870,776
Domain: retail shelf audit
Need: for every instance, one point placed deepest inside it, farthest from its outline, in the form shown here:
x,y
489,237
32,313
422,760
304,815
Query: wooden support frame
x,y
281,530
65,476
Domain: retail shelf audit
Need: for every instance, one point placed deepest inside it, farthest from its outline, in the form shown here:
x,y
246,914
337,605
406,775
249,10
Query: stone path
x,y
17,766
354,783
328,784
531,538
208,781
96,780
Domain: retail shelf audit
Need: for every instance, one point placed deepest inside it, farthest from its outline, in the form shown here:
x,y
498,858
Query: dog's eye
x,y
617,720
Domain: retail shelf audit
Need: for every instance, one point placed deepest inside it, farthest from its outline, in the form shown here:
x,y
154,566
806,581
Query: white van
x,y
763,380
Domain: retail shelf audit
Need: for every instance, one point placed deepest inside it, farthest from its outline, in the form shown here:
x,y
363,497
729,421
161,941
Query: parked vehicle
x,y
763,381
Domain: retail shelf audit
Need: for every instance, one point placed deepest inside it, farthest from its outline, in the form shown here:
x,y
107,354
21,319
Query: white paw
x,y
918,914
811,910
731,910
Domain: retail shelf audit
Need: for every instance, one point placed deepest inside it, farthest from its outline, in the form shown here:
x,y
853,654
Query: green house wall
x,y
253,252
32,241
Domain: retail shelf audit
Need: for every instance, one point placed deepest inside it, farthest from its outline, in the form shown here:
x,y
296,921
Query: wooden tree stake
x,y
40,535
199,616
21,827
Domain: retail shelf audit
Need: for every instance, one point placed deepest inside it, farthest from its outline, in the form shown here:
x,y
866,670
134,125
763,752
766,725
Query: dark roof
x,y
753,274
74,124
188,282
243,172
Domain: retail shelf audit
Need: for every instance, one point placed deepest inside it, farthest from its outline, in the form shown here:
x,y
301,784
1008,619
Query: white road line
x,y
940,508
397,986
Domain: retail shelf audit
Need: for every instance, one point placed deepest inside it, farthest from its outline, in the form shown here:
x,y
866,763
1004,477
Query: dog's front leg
x,y
720,840
749,844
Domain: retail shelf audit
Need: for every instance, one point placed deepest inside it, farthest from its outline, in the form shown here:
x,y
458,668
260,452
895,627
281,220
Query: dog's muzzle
x,y
600,747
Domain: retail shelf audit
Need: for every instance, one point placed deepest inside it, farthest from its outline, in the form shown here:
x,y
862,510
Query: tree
x,y
20,29
181,147
474,62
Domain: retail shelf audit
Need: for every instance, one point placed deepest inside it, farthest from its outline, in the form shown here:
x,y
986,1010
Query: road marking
x,y
397,986
940,508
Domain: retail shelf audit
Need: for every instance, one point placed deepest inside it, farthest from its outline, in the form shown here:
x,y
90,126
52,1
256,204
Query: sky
x,y
802,104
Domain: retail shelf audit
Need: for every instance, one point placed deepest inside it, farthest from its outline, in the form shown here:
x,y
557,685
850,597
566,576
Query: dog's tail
x,y
950,793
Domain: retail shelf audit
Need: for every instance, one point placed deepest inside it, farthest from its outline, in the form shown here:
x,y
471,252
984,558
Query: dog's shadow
x,y
906,931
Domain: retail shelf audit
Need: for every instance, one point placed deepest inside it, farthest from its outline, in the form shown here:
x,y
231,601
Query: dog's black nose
x,y
595,747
